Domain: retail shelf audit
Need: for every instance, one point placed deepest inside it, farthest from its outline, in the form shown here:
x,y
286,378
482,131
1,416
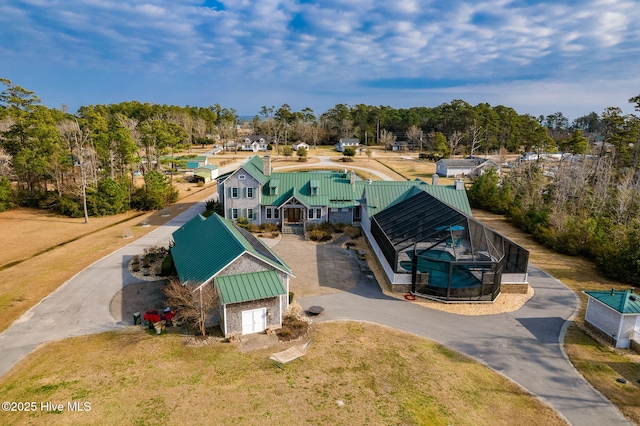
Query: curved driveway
x,y
523,345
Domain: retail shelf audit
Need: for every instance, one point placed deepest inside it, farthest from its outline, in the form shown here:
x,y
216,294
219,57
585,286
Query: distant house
x,y
534,156
345,142
464,167
616,315
254,143
297,145
252,282
403,146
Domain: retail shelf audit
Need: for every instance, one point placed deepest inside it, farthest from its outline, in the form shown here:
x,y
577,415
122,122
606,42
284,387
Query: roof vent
x,y
369,181
632,298
612,290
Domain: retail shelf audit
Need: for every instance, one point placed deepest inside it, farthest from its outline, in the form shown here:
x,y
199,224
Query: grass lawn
x,y
352,374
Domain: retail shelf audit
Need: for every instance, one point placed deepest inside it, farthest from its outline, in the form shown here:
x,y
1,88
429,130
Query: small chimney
x,y
459,185
352,178
267,165
434,179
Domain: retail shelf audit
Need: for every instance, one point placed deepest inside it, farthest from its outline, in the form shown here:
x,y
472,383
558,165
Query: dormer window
x,y
314,185
273,187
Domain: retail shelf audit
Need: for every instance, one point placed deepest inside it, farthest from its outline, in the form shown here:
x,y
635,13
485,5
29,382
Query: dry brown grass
x,y
352,374
25,284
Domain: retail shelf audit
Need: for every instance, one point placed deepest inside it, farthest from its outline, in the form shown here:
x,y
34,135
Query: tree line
x,y
587,206
85,163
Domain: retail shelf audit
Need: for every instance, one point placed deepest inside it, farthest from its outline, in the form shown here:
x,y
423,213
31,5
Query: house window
x,y
234,192
250,214
249,192
242,177
345,210
315,213
269,212
310,214
273,213
234,214
276,213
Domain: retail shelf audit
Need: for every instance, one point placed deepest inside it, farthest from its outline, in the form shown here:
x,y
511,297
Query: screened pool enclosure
x,y
450,255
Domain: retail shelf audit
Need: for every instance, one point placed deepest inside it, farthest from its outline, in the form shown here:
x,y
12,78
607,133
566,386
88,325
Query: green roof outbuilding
x,y
623,301
251,286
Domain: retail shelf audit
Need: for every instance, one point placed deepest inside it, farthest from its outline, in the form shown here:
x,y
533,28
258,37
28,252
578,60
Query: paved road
x,y
523,345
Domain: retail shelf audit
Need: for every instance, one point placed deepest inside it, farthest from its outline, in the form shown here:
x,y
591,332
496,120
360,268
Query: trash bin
x,y
136,318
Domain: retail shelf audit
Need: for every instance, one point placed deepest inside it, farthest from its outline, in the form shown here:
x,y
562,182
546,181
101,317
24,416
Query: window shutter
x,y
230,214
229,192
244,192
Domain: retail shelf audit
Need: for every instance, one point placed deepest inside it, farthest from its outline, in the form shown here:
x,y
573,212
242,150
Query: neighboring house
x,y
534,156
206,173
254,143
615,314
297,145
464,167
403,146
345,142
252,282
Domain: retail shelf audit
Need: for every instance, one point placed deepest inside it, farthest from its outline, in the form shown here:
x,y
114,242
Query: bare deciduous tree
x,y
387,139
193,303
79,143
453,141
415,135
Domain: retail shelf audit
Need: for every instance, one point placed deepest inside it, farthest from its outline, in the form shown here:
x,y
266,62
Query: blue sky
x,y
538,57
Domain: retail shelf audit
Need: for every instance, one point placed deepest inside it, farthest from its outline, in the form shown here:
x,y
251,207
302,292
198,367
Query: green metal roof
x,y
209,167
381,195
251,286
334,189
620,300
204,247
206,175
255,167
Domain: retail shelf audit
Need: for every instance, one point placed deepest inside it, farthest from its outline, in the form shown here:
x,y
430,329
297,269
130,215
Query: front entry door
x,y
254,321
293,215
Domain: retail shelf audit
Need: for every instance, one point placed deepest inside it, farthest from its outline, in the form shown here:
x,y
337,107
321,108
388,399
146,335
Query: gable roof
x,y
250,286
255,167
197,253
621,300
381,195
454,163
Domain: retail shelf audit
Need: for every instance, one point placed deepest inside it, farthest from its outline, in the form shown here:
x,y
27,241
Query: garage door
x,y
254,321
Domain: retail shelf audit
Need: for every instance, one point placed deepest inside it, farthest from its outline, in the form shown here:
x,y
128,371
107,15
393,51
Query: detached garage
x,y
250,303
252,282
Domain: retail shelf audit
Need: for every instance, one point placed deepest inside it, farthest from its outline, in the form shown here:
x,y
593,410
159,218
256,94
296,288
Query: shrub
x,y
200,184
339,227
353,231
252,227
269,227
326,227
242,222
167,268
319,235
